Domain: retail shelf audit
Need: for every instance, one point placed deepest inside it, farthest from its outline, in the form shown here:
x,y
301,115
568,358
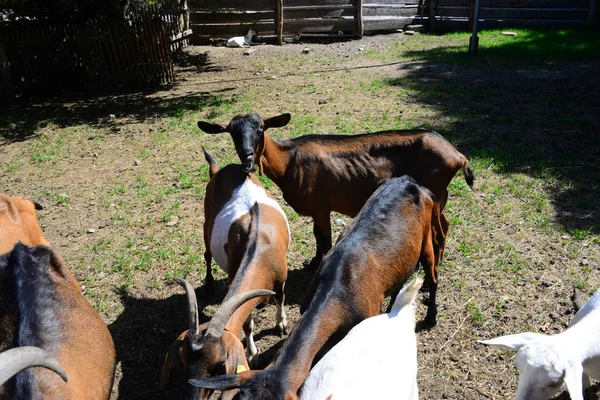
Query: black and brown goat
x,y
322,173
373,257
42,306
247,233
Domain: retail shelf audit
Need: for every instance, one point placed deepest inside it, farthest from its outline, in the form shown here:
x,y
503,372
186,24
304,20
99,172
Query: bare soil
x,y
122,179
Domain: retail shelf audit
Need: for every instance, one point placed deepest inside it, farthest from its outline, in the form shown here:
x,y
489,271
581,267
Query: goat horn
x,y
14,360
216,326
194,328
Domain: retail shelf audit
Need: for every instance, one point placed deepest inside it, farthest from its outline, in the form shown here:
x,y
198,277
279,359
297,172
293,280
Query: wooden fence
x,y
42,59
452,14
226,18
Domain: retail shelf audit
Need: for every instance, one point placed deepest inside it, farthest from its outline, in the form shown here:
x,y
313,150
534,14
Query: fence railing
x,y
38,58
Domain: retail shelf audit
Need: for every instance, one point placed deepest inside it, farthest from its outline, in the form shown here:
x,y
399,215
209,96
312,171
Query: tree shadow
x,y
143,334
20,123
539,119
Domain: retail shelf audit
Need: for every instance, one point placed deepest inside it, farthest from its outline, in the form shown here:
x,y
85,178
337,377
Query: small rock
x,y
172,223
322,101
112,205
340,222
564,236
137,162
409,33
95,155
585,261
361,49
112,116
146,248
305,50
91,230
91,137
249,51
399,30
508,33
546,284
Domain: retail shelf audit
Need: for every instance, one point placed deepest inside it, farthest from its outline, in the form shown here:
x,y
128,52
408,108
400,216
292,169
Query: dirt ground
x,y
123,177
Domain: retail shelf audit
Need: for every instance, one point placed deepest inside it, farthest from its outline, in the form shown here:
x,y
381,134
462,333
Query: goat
x,y
322,173
242,41
377,359
19,223
14,360
546,362
374,256
247,233
43,306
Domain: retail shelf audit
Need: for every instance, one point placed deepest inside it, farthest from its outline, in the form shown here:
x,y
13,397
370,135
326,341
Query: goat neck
x,y
274,160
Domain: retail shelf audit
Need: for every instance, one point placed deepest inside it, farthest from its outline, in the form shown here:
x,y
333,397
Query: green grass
x,y
530,46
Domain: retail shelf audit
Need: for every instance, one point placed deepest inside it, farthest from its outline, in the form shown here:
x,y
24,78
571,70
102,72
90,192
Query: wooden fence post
x,y
5,78
432,15
360,27
279,21
592,12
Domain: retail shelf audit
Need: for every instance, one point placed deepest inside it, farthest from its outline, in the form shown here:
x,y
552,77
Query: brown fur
x,y
374,257
268,270
19,223
88,352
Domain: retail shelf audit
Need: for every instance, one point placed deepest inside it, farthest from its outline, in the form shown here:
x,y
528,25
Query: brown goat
x,y
373,257
322,173
247,233
42,305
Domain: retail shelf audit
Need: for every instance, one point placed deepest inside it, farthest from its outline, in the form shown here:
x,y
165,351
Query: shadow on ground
x,y
20,123
541,119
146,329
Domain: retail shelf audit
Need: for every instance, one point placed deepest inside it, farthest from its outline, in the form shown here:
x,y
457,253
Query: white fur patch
x,y
242,199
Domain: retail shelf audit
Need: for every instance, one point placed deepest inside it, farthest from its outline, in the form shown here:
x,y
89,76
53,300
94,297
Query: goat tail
x,y
212,164
469,177
407,295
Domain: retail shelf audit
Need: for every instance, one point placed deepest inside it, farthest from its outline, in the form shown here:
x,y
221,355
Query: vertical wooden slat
x,y
592,12
279,21
432,15
360,29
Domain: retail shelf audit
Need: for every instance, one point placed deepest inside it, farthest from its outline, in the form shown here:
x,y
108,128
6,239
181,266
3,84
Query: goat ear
x,y
174,358
223,382
511,342
574,381
211,127
278,121
236,358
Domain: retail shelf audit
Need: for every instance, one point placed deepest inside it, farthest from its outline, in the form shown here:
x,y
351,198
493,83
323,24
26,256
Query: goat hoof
x,y
425,325
282,330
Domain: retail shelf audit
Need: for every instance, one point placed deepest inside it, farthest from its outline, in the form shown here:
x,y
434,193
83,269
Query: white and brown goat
x,y
246,232
374,256
322,173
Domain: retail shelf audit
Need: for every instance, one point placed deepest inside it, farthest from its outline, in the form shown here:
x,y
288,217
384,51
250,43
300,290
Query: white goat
x,y
242,41
546,362
376,360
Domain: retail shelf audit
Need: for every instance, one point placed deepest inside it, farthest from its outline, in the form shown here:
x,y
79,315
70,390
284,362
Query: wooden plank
x,y
386,24
390,11
315,3
398,3
230,30
240,5
359,19
279,21
332,25
320,13
510,13
231,17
